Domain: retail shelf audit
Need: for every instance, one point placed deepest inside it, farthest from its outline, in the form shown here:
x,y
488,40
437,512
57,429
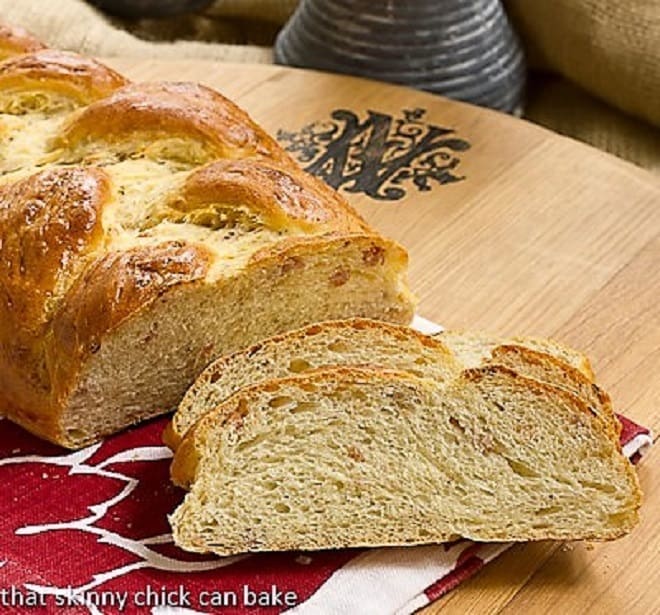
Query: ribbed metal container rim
x,y
476,59
462,32
415,10
299,45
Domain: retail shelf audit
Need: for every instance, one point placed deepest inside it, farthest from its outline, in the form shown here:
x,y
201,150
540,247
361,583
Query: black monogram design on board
x,y
378,155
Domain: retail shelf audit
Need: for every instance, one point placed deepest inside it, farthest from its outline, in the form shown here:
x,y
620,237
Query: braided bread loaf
x,y
146,229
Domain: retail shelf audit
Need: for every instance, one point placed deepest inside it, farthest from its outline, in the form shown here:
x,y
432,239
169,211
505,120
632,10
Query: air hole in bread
x,y
303,406
456,423
75,435
232,221
22,103
281,401
548,510
421,361
254,350
217,217
599,486
251,443
338,346
369,430
618,518
299,365
283,508
521,469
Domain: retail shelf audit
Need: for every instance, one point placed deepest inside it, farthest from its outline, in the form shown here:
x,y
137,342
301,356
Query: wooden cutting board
x,y
510,228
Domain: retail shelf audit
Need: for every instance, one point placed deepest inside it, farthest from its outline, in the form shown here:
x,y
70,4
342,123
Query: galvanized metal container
x,y
463,49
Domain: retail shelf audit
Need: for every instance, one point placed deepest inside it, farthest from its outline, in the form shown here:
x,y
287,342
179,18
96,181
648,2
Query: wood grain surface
x,y
543,236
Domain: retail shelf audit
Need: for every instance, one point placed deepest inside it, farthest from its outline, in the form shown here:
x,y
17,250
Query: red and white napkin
x,y
87,532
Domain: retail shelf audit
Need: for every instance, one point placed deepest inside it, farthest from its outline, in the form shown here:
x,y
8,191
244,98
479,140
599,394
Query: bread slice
x,y
476,346
540,358
363,341
348,457
342,342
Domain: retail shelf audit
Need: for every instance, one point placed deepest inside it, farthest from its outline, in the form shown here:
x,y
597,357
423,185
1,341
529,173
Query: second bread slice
x,y
361,341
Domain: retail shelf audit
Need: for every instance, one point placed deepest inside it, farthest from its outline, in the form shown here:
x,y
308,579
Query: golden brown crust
x,y
282,196
48,223
170,437
158,110
185,462
15,41
67,74
538,357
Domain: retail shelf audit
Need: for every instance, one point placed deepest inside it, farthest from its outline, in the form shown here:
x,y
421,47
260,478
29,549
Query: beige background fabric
x,y
270,10
74,25
610,48
562,107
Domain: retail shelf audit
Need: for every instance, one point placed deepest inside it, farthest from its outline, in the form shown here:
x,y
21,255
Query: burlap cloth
x,y
607,55
600,59
73,24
